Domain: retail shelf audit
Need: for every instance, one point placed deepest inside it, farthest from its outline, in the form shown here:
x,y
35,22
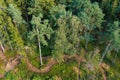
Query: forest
x,y
59,39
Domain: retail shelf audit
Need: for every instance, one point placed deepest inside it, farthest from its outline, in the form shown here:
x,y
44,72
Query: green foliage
x,y
60,38
89,13
111,9
61,17
115,35
15,14
4,36
9,34
40,6
41,30
55,13
90,17
14,35
63,70
43,27
93,19
61,27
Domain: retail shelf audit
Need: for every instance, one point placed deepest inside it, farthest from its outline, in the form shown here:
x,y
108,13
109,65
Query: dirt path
x,y
10,65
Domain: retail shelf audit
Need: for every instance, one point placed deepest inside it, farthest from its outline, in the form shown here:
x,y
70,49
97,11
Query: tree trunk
x,y
11,46
86,39
40,53
2,47
39,46
105,52
113,61
8,38
78,75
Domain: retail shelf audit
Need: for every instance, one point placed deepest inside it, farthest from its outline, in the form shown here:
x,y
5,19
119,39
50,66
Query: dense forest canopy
x,y
59,39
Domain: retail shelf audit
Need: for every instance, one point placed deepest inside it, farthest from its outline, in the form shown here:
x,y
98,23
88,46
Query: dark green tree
x,y
113,39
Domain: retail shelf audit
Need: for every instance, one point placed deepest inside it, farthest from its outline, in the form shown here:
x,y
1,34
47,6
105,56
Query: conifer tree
x,y
14,36
89,21
40,6
41,30
15,14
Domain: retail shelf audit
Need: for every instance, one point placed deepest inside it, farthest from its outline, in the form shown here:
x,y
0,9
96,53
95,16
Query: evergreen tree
x,y
111,9
115,35
14,35
90,16
41,30
15,14
40,6
67,31
9,34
